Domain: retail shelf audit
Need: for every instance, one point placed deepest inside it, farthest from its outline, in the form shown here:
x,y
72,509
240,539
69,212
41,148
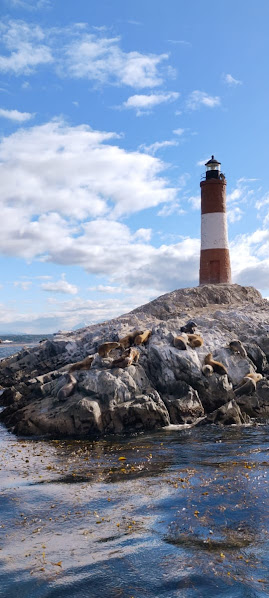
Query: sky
x,y
108,113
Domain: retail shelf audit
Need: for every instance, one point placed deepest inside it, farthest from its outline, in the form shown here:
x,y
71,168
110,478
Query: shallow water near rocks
x,y
170,514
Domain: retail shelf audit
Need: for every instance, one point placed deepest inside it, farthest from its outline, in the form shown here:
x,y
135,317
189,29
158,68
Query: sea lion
x,y
181,342
128,357
247,387
218,367
128,340
68,388
254,376
105,348
195,340
207,370
189,327
85,364
237,347
141,339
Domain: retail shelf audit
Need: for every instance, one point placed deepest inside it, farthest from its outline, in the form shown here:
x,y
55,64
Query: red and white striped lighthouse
x,y
215,258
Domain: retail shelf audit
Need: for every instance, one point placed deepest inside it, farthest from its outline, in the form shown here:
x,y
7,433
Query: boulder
x,y
184,405
226,415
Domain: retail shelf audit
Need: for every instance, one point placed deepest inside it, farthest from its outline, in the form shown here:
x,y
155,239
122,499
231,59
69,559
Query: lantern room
x,y
212,169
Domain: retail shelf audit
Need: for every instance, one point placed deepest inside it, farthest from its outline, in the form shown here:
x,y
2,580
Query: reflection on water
x,y
172,514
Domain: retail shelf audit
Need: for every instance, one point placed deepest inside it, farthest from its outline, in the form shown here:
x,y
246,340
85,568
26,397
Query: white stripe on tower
x,y
214,233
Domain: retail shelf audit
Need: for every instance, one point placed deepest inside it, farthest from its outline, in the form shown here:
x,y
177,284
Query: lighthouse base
x,y
215,266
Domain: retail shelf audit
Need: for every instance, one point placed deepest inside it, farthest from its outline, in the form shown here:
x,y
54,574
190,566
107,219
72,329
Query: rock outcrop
x,y
162,385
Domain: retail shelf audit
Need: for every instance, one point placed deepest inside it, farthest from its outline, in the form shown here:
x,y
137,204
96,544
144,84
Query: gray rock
x,y
185,406
167,385
227,415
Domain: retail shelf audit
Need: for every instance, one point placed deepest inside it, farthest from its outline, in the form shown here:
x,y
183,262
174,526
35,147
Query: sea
x,y
181,512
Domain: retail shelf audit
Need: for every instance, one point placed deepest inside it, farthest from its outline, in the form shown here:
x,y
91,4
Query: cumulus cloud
x,y
15,115
55,172
25,46
143,103
231,81
250,259
60,286
102,59
75,52
200,98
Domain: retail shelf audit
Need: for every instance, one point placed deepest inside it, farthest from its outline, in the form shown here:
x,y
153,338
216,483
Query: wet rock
x,y
185,406
226,415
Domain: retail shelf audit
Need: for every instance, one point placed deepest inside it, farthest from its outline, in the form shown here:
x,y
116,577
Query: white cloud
x,y
178,131
199,98
235,195
143,103
181,42
102,59
108,289
76,52
60,286
171,208
144,234
231,81
26,48
31,5
15,115
234,215
154,147
202,162
264,201
57,172
195,201
23,284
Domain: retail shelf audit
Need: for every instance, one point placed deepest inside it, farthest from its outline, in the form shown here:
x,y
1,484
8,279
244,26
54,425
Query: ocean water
x,y
175,513
13,343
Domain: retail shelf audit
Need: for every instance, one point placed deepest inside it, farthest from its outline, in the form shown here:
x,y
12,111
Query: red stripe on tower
x,y
215,257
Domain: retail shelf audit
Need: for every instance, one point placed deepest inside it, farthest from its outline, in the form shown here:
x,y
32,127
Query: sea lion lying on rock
x,y
128,357
141,339
105,348
181,342
85,364
237,347
189,327
207,370
254,376
195,340
67,389
128,340
247,387
218,367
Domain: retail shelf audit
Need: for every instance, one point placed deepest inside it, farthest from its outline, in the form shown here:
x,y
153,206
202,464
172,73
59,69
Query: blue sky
x,y
108,111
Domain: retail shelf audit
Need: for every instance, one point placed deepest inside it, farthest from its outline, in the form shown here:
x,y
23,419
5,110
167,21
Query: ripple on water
x,y
174,513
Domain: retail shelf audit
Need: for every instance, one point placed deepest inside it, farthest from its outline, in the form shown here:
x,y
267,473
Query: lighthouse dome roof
x,y
212,161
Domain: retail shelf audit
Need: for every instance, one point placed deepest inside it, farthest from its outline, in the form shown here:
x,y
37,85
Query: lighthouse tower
x,y
215,258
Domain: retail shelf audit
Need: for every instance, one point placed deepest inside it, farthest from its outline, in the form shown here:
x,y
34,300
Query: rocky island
x,y
146,369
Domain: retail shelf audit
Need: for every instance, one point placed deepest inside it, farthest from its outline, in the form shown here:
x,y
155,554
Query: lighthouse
x,y
214,258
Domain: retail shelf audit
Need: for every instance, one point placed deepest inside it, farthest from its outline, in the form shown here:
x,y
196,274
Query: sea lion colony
x,y
130,355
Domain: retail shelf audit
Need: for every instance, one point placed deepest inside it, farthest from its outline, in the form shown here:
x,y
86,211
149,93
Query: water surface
x,y
171,514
